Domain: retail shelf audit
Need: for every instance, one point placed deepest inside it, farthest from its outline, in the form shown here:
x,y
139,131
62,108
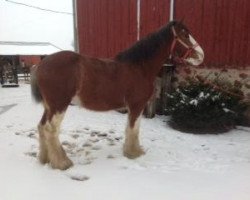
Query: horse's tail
x,y
34,86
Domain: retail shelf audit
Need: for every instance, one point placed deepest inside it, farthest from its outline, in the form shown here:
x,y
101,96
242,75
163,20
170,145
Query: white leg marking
x,y
132,147
56,154
43,148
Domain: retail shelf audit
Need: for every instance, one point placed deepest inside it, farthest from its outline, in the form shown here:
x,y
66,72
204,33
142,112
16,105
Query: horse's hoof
x,y
62,164
43,158
133,153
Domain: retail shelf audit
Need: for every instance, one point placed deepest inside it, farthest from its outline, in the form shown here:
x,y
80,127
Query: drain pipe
x,y
138,19
75,27
171,13
167,72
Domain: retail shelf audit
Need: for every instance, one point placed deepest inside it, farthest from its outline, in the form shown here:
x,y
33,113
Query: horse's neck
x,y
154,65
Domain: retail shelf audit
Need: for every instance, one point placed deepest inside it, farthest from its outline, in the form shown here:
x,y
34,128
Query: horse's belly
x,y
101,101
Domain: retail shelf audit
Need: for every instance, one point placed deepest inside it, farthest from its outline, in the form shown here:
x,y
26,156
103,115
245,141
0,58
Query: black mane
x,y
147,47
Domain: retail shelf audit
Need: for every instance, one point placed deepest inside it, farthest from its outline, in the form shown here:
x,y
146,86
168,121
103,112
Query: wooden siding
x,y
222,27
153,15
106,27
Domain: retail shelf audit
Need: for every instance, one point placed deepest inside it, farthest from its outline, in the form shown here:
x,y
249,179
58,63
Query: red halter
x,y
173,45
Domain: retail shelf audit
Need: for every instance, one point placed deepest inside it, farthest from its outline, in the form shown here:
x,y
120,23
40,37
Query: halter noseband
x,y
173,45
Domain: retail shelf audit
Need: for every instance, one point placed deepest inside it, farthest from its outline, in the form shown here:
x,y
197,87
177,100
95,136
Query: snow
x,y
194,102
176,166
226,110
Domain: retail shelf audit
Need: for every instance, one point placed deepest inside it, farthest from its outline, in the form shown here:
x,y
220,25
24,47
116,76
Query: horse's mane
x,y
147,47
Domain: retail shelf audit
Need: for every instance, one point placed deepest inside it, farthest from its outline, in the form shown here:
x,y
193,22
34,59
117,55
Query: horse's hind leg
x,y
132,148
51,150
43,152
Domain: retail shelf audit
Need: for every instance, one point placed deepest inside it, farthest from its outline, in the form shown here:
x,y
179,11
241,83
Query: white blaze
x,y
199,53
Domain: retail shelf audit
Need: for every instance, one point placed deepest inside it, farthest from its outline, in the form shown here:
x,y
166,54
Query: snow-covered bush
x,y
198,107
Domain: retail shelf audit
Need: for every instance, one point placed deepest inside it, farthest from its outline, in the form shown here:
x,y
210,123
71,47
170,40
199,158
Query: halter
x,y
173,45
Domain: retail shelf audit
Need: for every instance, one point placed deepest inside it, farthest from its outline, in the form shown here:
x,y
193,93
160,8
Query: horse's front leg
x,y
132,148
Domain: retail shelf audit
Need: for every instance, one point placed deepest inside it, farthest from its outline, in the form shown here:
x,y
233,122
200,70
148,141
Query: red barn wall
x,y
106,27
222,27
153,15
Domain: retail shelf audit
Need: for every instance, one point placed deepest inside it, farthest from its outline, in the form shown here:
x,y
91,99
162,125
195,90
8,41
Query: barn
x,y
16,58
105,27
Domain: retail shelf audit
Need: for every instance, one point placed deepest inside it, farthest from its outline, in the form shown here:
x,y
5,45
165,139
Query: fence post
x,y
150,109
155,106
166,86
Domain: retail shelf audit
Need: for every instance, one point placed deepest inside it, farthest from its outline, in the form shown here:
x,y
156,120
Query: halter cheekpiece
x,y
173,45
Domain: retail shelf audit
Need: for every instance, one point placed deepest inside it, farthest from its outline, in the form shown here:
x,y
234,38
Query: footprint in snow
x,y
31,154
29,133
68,144
102,134
110,156
32,135
79,177
96,148
94,133
87,144
86,128
75,136
112,131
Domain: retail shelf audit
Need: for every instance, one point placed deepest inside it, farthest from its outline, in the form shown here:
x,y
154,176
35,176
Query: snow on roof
x,y
27,48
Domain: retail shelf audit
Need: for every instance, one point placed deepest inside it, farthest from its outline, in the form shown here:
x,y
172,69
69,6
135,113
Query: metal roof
x,y
27,48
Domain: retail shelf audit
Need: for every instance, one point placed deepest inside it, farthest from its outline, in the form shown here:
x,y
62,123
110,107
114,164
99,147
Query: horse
x,y
5,68
25,69
99,84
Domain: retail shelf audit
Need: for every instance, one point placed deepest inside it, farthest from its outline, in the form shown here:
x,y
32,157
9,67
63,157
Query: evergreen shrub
x,y
199,107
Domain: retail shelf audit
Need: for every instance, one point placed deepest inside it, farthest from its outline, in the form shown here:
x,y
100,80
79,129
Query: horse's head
x,y
184,48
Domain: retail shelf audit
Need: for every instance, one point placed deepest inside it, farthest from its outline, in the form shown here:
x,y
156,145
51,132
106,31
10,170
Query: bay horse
x,y
105,84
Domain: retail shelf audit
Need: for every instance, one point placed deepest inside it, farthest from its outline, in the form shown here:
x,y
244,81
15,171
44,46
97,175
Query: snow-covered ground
x,y
176,166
